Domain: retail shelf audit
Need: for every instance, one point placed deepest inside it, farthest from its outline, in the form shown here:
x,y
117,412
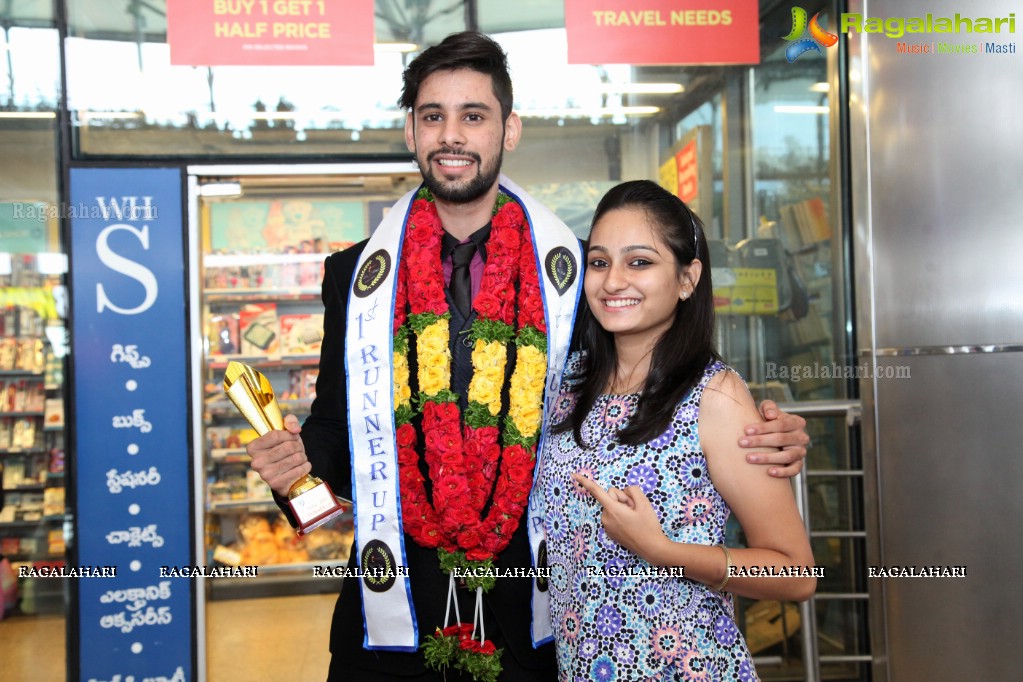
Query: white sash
x,y
561,275
387,599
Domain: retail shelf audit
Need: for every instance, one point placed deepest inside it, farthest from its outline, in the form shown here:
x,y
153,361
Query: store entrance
x,y
261,236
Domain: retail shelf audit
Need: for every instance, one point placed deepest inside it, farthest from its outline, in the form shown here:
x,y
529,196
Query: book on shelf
x,y
24,435
53,372
12,355
53,501
11,505
30,356
8,394
804,223
55,541
14,474
256,488
56,461
808,330
34,396
301,384
8,353
22,395
222,333
228,437
260,329
301,334
309,377
53,413
29,506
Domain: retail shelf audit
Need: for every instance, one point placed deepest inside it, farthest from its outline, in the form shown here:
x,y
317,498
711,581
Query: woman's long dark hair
x,y
681,354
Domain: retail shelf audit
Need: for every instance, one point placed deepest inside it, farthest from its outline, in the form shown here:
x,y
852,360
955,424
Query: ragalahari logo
x,y
797,36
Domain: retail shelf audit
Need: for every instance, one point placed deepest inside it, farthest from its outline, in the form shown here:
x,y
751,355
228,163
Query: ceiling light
x,y
107,115
395,47
229,260
28,114
800,109
643,88
220,189
592,112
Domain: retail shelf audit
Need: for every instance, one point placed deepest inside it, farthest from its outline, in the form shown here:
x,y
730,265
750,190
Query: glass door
x,y
762,149
263,235
802,355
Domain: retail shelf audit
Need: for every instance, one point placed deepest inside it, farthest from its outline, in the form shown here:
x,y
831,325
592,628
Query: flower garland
x,y
456,646
467,464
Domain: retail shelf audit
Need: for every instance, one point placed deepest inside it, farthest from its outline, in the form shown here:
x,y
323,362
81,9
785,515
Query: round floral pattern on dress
x,y
614,617
644,476
604,669
616,411
649,599
570,625
693,470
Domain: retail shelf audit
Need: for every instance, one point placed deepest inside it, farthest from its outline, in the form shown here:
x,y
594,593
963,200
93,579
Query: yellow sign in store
x,y
745,291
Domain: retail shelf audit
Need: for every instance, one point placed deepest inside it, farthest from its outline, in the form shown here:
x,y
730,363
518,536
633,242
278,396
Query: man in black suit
x,y
459,97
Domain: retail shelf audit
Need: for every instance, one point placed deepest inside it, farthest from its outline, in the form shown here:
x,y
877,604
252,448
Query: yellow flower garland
x,y
402,390
434,369
526,390
488,362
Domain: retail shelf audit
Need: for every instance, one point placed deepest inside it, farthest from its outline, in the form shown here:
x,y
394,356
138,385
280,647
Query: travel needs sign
x,y
663,31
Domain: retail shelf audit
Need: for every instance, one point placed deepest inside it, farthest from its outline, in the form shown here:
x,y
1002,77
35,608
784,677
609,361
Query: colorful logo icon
x,y
801,44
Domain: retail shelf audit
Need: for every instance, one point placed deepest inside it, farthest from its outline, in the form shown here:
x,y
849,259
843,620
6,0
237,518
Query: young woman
x,y
643,467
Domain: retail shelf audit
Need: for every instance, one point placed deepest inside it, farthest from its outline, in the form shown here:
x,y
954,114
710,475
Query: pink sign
x,y
270,32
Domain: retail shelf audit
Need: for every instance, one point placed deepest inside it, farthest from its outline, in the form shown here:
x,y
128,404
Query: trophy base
x,y
315,507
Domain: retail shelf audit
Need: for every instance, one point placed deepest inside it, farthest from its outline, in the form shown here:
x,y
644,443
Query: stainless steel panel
x,y
935,161
950,444
945,167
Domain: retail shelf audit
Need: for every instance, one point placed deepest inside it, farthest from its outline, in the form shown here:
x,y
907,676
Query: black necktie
x,y
461,284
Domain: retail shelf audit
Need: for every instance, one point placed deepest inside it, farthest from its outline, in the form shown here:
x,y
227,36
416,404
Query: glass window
x,y
127,99
31,72
33,344
499,16
803,351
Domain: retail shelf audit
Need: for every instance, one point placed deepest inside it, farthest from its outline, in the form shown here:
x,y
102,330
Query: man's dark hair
x,y
466,50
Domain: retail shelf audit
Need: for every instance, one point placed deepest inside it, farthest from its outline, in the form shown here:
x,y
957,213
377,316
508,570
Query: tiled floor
x,y
276,638
279,638
32,648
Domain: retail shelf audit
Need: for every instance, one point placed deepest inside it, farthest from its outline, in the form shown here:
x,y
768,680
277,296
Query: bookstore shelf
x,y
266,313
33,513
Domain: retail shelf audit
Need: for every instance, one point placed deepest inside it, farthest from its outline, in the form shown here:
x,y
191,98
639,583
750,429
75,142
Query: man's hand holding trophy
x,y
312,501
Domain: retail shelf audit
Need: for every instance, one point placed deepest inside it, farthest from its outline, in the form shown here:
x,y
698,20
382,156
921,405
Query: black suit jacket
x,y
325,436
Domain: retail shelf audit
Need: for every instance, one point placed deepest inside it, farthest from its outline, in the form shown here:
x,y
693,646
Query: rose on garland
x,y
456,647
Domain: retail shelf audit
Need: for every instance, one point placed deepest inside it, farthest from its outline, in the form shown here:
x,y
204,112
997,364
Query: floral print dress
x,y
615,616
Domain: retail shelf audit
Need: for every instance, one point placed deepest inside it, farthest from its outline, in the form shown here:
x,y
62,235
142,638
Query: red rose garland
x,y
466,463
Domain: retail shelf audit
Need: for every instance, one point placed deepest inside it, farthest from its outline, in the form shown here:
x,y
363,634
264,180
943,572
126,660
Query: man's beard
x,y
477,187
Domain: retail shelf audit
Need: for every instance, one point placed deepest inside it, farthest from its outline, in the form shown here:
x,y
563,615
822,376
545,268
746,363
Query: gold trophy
x,y
311,500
